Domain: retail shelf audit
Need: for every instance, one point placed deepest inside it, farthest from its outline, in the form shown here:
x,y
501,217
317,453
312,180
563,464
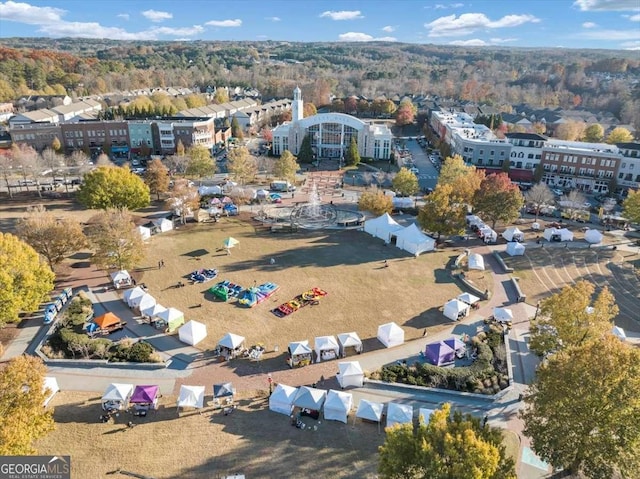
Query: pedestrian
x,y
159,264
162,263
485,420
424,333
133,280
272,261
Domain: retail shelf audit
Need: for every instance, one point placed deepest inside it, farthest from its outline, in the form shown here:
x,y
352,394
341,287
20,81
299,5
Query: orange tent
x,y
106,320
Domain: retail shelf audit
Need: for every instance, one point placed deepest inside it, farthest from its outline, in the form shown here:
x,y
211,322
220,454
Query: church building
x,y
331,134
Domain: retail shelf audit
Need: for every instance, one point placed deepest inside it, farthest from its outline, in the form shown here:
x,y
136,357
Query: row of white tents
x,y
146,305
485,231
409,239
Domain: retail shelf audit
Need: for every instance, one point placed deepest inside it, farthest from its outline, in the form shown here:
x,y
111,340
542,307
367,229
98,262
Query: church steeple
x,y
297,107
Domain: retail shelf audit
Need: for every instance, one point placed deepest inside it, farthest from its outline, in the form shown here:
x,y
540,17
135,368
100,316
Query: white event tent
x,y
414,241
154,311
143,302
131,295
468,298
350,373
370,411
618,332
163,224
390,334
309,398
191,396
326,348
349,340
553,234
145,233
455,309
50,385
192,332
513,234
399,413
476,261
382,227
425,414
281,400
121,279
593,236
502,315
337,406
117,396
515,249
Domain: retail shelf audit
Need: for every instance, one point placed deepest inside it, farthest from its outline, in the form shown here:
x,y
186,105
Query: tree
x,y
405,183
448,446
570,318
200,164
570,130
309,109
286,166
115,240
619,135
177,164
352,156
157,178
221,95
466,180
113,187
538,196
375,202
498,199
23,418
25,280
54,238
241,165
443,213
305,155
236,130
631,206
593,133
538,173
180,149
103,160
582,410
506,165
183,199
405,114
56,145
267,134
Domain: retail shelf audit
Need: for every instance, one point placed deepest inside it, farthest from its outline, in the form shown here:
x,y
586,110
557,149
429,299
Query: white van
x,y
281,186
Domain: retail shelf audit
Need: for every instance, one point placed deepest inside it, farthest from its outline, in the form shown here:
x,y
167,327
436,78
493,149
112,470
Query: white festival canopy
x,y
455,309
118,394
153,311
143,302
425,414
298,348
513,234
163,224
593,236
51,385
309,398
553,234
121,278
350,373
414,241
191,396
281,400
390,334
502,315
382,227
619,333
515,249
399,413
468,298
371,411
326,347
349,340
192,332
231,341
476,261
145,233
131,295
337,406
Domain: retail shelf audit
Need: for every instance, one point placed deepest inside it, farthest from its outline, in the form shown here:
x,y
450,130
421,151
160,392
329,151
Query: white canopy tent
x,y
145,301
473,220
390,334
163,224
191,396
488,235
337,406
50,388
326,348
618,332
172,317
231,345
370,411
281,400
399,414
121,279
192,332
502,315
131,295
152,312
382,227
145,233
300,352
476,261
455,309
309,398
349,340
468,298
593,236
425,414
513,234
414,241
554,234
209,190
117,396
350,373
515,249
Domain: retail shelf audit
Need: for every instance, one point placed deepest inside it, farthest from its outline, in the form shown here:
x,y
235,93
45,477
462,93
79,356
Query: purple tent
x,y
439,353
144,395
455,344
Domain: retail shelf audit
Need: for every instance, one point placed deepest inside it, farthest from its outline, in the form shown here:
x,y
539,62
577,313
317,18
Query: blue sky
x,y
609,24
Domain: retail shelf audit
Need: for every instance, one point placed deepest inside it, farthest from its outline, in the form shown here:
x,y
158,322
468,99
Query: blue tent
x,y
455,344
439,353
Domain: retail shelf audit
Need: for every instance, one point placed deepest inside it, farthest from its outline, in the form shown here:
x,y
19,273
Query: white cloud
x,y
603,5
184,31
468,23
589,25
440,6
495,41
388,29
470,43
93,30
25,13
156,16
342,14
635,18
611,35
273,19
124,16
363,37
631,45
225,23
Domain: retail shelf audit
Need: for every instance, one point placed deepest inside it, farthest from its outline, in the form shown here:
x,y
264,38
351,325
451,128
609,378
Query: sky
x,y
608,24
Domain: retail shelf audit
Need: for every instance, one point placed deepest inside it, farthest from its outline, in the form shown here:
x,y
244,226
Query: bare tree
x,y
538,196
184,200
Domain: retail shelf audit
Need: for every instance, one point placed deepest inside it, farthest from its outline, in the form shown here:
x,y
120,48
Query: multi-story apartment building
x,y
37,135
526,153
95,137
629,171
190,131
140,135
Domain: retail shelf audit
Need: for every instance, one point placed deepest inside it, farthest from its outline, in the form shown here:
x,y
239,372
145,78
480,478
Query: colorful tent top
x,y
222,390
106,320
439,353
455,344
230,242
191,396
146,394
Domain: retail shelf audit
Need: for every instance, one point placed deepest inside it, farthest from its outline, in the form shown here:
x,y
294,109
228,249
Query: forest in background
x,y
597,80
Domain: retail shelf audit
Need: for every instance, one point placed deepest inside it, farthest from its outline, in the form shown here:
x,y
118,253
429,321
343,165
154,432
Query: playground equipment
x,y
256,295
311,296
226,290
203,275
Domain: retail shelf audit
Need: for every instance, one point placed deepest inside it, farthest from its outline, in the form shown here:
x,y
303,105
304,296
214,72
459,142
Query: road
x,y
428,175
